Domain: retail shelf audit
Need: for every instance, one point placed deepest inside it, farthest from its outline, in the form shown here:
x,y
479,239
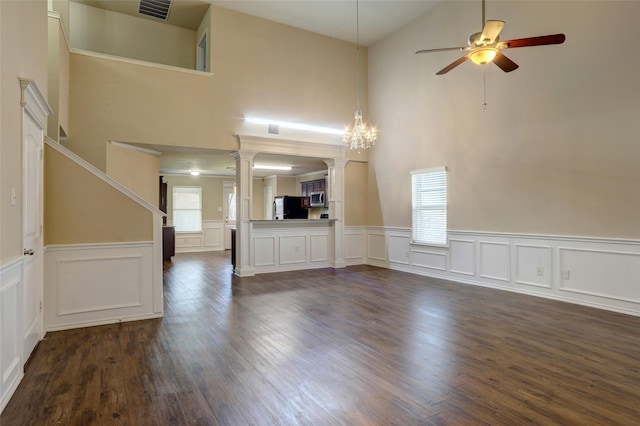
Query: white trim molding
x,y
596,272
34,102
103,176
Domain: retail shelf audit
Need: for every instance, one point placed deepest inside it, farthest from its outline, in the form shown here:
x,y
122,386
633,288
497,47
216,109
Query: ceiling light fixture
x,y
194,173
483,55
268,167
294,126
360,136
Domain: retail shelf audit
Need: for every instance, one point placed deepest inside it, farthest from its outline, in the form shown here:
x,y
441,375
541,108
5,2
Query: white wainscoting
x,y
210,239
597,272
279,246
92,284
355,245
11,324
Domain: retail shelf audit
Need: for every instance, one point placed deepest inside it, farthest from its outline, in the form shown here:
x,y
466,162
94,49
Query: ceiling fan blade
x,y
532,41
491,31
452,65
505,64
442,49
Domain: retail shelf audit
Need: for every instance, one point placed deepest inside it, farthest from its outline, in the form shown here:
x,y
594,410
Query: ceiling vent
x,y
274,129
155,8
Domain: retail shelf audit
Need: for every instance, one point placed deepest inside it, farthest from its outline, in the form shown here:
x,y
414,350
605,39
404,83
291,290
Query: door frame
x,y
36,109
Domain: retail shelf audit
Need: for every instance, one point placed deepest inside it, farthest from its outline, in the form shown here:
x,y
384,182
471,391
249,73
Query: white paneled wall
x,y
277,248
210,239
11,357
603,273
99,284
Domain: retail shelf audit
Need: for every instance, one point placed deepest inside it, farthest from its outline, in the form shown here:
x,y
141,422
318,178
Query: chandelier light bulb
x,y
360,136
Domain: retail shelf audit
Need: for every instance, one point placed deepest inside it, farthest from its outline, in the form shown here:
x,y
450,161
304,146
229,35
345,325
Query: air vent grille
x,y
274,129
155,8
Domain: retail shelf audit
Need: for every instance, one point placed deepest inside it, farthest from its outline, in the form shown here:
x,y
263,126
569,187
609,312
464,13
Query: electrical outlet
x,y
540,271
565,274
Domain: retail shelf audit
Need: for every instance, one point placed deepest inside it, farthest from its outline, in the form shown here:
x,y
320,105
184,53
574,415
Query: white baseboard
x,y
596,272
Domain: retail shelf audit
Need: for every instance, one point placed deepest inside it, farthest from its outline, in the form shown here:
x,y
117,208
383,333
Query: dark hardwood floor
x,y
354,346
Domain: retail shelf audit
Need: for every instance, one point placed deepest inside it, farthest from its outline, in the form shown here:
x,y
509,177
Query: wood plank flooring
x,y
354,346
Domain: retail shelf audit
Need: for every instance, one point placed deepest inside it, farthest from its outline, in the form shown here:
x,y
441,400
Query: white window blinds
x,y
429,206
187,208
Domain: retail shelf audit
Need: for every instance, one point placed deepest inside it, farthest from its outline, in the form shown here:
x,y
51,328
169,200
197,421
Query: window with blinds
x,y
187,208
429,206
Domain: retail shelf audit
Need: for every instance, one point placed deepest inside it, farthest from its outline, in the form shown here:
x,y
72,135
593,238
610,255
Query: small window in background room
x,y
187,208
429,206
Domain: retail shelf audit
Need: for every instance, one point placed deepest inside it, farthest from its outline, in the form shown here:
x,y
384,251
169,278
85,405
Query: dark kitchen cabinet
x,y
307,188
168,242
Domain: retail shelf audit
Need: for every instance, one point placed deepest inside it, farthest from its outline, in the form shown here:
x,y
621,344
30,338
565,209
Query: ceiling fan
x,y
485,46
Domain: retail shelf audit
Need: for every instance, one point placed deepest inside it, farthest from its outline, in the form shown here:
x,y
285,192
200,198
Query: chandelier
x,y
360,136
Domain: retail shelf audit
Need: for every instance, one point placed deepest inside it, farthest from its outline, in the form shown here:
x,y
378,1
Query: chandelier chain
x,y
357,56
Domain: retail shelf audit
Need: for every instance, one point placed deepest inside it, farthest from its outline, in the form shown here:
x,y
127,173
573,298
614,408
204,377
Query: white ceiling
x,y
336,18
332,18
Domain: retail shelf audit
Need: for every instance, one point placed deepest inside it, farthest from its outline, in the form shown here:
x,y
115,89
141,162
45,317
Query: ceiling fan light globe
x,y
483,56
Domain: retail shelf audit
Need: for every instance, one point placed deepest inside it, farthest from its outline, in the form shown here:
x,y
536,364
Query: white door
x,y
229,211
32,234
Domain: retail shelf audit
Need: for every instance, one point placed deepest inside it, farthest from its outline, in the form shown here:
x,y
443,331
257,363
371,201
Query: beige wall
x,y
287,186
23,53
58,82
212,194
62,7
257,200
138,171
113,33
557,150
261,68
81,208
355,194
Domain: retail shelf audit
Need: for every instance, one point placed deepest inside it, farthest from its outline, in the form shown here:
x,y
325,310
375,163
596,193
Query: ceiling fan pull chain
x,y
484,81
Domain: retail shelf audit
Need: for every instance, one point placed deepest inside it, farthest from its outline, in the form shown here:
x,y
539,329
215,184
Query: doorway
x,y
228,210
201,53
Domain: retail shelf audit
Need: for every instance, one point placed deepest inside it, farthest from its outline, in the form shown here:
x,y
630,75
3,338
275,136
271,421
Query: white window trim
x,y
446,231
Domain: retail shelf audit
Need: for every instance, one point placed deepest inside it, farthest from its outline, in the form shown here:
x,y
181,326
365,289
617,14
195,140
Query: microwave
x,y
317,199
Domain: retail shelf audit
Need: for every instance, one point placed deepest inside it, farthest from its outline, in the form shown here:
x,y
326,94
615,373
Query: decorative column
x,y
336,209
244,191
